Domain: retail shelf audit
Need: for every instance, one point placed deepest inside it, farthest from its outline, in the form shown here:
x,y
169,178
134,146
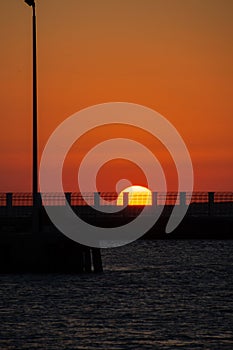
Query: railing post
x,y
210,203
125,199
68,197
154,199
97,200
35,213
182,199
9,203
39,211
39,200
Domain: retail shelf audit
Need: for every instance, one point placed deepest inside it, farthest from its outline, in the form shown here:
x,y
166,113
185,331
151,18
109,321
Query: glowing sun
x,y
137,195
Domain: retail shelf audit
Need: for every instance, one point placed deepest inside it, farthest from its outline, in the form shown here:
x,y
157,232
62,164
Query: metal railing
x,y
200,203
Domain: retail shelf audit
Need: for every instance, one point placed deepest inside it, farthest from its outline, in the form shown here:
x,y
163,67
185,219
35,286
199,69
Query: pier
x,y
209,215
200,203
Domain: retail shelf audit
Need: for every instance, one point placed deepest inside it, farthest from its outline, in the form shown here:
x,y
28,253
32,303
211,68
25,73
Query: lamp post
x,y
35,218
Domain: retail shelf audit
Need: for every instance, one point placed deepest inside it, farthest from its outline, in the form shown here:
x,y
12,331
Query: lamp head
x,y
30,2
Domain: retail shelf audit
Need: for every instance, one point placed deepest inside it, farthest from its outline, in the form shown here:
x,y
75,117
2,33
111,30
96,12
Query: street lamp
x,y
32,4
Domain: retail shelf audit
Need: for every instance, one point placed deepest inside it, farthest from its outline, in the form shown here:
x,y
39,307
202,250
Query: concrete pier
x,y
209,215
45,253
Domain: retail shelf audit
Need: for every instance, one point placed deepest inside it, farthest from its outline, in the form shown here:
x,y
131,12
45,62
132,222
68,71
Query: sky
x,y
174,56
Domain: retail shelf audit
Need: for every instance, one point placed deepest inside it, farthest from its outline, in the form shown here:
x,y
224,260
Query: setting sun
x,y
138,195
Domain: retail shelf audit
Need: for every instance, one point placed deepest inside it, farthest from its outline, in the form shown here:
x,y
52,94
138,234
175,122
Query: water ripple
x,y
153,295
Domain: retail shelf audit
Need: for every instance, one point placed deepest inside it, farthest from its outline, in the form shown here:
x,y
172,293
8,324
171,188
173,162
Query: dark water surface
x,y
152,295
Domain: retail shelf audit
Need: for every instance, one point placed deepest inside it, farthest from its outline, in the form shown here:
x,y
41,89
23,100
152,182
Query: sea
x,y
161,294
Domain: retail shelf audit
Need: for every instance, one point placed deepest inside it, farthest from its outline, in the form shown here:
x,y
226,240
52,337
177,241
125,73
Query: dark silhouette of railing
x,y
200,203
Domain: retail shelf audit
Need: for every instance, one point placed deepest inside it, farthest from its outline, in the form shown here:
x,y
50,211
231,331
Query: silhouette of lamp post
x,y
35,218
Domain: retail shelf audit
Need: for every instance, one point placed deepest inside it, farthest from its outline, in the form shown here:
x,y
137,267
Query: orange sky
x,y
174,56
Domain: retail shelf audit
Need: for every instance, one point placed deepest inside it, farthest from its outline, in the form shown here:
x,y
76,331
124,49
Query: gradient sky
x,y
174,56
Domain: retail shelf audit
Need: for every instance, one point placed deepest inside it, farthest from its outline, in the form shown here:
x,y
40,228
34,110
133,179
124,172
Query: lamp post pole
x,y
35,217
